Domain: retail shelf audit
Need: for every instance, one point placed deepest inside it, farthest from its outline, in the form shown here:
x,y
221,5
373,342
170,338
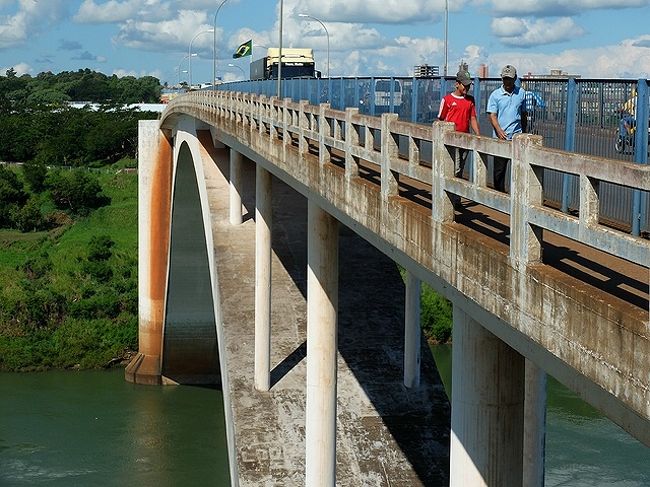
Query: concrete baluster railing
x,y
526,192
351,140
389,151
324,130
442,167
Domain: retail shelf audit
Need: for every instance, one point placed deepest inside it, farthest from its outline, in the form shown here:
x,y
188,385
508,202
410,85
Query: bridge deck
x,y
386,434
622,279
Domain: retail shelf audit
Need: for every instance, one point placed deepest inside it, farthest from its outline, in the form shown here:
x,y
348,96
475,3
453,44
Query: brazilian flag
x,y
246,49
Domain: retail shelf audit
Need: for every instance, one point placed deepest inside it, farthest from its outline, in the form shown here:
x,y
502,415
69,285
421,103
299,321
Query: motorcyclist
x,y
627,123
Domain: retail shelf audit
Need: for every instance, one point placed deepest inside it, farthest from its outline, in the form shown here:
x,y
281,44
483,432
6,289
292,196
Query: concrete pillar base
x,y
144,369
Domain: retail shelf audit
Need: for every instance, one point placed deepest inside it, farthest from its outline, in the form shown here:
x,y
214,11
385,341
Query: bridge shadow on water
x,y
371,344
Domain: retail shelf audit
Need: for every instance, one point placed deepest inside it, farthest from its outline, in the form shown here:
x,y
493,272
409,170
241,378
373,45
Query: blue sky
x,y
593,38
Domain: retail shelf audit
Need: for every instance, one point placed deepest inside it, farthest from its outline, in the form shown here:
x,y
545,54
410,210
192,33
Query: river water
x,y
583,448
94,429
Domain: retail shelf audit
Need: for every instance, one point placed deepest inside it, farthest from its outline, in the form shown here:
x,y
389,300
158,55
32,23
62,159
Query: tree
x,y
29,218
76,191
11,188
35,173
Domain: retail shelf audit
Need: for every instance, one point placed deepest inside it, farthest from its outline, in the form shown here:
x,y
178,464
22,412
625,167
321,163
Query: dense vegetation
x,y
435,314
68,234
48,89
69,297
38,126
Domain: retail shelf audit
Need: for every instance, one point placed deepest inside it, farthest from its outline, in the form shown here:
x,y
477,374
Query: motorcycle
x,y
625,139
625,142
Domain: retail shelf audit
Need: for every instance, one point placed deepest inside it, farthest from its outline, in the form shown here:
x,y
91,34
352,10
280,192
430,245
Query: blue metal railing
x,y
574,114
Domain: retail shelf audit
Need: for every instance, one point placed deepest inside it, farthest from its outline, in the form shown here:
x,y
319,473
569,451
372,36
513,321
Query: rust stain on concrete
x,y
160,219
160,214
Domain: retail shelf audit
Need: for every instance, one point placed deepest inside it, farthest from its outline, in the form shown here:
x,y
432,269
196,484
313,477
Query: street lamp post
x,y
446,36
280,52
214,45
179,66
179,74
328,38
239,68
189,54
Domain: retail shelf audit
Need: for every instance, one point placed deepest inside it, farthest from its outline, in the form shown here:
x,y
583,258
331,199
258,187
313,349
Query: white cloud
x,y
623,60
542,8
122,10
380,11
28,19
20,69
121,73
116,11
525,33
173,34
112,11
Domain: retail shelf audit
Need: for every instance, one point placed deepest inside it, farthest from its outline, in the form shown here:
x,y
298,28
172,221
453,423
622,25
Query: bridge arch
x,y
189,341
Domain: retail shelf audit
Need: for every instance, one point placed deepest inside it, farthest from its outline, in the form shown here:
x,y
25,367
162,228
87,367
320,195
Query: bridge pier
x,y
487,407
534,425
412,331
263,216
154,208
235,187
322,309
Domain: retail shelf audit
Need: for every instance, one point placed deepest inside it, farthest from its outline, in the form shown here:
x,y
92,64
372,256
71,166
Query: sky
x,y
592,38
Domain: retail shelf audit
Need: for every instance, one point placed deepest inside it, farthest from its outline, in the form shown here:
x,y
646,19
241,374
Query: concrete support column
x,y
322,307
412,332
154,213
235,187
487,408
534,425
263,215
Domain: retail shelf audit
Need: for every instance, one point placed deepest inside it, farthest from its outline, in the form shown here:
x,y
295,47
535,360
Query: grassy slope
x,y
88,343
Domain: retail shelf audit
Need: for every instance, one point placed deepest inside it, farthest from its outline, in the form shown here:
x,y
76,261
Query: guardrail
x,y
577,115
377,139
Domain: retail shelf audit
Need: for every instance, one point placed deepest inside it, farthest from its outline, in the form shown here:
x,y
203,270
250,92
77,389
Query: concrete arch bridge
x,y
301,314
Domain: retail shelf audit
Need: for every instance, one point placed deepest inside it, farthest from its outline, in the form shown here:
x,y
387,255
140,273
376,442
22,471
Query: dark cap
x,y
508,71
464,78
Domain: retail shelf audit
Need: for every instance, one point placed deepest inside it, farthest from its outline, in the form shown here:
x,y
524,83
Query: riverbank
x,y
69,299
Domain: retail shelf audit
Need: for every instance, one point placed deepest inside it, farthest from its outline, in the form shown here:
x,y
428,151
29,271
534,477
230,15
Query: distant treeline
x,y
19,92
38,125
69,136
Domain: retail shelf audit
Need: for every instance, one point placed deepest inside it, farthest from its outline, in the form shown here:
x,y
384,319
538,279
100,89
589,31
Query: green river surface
x,y
92,428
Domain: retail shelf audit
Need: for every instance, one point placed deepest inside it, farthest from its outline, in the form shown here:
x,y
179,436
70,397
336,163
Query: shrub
x,y
76,191
35,173
29,218
99,248
436,315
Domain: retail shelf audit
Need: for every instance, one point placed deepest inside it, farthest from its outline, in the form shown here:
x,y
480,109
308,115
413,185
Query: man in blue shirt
x,y
507,111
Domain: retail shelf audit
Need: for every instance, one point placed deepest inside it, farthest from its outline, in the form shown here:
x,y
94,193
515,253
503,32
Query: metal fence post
x,y
317,91
640,152
342,95
372,96
329,91
414,100
392,95
443,87
477,94
570,135
356,91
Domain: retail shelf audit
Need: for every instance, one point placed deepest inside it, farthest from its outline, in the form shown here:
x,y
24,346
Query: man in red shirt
x,y
458,107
